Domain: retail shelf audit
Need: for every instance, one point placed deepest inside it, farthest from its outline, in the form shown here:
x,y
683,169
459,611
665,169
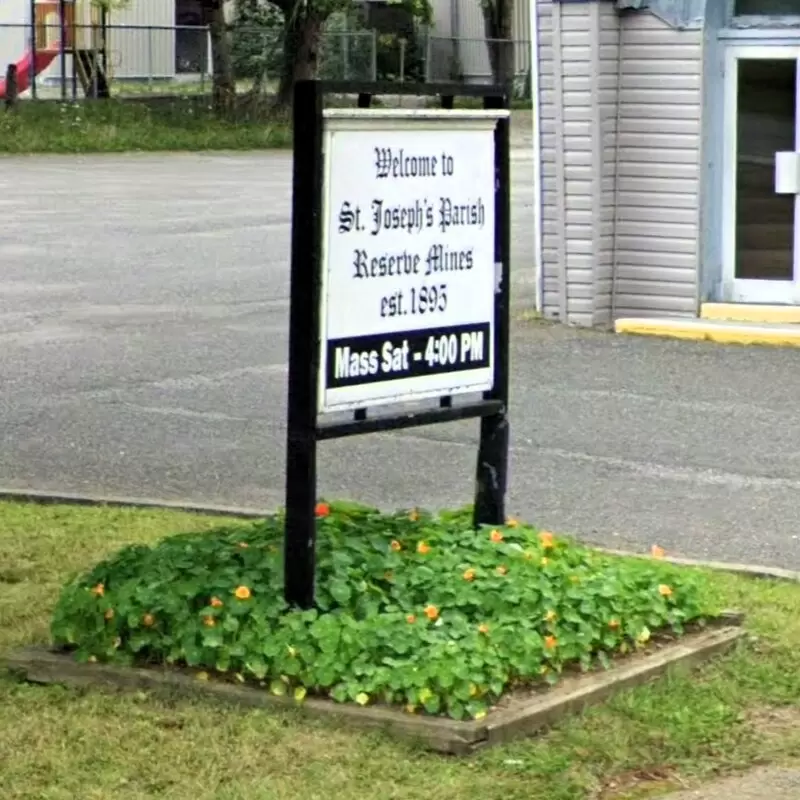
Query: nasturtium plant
x,y
414,609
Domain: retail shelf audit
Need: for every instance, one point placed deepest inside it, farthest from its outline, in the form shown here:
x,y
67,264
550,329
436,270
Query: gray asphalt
x,y
143,321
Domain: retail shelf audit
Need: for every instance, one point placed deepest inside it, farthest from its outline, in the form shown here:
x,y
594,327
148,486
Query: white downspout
x,y
533,9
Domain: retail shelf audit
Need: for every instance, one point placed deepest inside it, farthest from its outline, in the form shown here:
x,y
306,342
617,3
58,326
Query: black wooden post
x,y
301,438
11,86
492,469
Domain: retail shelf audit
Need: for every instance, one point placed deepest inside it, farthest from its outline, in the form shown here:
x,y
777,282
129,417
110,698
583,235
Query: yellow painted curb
x,y
749,312
707,330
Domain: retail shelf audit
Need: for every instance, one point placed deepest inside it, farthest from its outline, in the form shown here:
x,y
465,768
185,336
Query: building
x,y
669,156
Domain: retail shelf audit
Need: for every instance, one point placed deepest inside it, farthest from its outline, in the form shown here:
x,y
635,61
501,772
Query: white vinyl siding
x,y
658,169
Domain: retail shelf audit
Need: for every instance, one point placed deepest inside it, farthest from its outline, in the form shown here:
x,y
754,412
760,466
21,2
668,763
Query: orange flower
x,y
209,621
99,590
109,614
547,539
501,570
244,545
423,548
512,523
396,546
322,510
657,552
469,574
148,620
216,602
431,612
242,593
664,590
550,642
613,624
411,619
413,515
496,536
483,628
550,616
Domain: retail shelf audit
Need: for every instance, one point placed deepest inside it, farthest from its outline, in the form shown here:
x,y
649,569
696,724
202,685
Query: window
x,y
768,8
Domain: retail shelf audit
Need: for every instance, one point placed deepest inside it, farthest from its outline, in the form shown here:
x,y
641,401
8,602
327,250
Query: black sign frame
x,y
304,428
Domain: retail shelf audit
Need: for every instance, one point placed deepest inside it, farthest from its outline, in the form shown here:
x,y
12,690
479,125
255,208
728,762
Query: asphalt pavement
x,y
143,338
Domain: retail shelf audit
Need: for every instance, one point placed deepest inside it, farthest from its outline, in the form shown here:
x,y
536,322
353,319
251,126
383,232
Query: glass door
x,y
761,246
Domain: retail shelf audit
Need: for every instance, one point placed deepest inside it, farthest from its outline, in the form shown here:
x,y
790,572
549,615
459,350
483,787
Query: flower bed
x,y
414,610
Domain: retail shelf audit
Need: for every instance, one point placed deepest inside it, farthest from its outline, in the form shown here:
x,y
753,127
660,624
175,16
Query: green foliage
x,y
414,609
257,39
114,126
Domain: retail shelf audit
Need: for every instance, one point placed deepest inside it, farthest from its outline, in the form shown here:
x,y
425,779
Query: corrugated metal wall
x,y
620,103
142,53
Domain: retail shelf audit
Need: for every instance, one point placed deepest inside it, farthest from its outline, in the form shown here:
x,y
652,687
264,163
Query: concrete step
x,y
751,312
719,331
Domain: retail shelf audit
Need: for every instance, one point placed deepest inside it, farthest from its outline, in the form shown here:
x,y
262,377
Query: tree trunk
x,y
301,38
223,83
497,16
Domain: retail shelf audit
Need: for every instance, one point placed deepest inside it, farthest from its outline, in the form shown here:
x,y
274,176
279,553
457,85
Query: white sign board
x,y
408,268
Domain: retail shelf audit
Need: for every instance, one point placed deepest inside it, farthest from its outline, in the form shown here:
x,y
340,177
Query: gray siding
x,y
656,242
566,103
620,105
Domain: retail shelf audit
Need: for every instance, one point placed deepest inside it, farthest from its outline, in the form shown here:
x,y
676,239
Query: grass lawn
x,y
118,126
59,743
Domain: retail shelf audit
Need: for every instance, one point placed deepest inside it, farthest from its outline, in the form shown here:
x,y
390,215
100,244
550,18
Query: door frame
x,y
753,290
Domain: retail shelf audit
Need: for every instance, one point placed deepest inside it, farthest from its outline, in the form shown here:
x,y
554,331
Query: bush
x,y
413,609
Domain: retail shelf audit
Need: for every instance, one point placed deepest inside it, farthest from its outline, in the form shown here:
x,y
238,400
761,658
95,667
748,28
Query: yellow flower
x,y
501,570
550,616
209,621
292,651
469,574
483,628
547,539
362,698
496,536
148,620
423,548
99,590
664,590
431,612
413,515
396,546
545,561
216,602
300,694
242,593
550,642
512,523
613,624
109,614
479,714
657,552
410,708
644,636
473,690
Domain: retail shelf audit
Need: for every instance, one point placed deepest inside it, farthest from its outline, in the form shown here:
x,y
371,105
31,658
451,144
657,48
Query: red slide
x,y
41,61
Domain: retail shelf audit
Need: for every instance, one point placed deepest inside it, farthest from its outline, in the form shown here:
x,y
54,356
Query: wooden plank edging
x,y
518,717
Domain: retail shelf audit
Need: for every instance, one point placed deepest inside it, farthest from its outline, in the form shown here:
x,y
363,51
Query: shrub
x,y
414,609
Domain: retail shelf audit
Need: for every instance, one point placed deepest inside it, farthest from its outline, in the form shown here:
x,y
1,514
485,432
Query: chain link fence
x,y
177,59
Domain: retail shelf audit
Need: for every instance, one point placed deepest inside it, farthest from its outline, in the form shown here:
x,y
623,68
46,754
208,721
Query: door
x,y
761,241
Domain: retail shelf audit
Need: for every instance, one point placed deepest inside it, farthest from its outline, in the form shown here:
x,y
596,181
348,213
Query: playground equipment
x,y
74,31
